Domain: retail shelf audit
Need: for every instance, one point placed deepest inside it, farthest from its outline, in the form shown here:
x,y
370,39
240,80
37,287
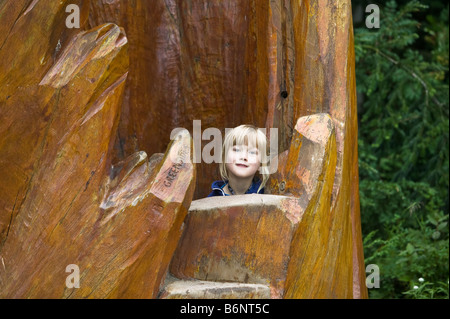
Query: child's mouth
x,y
241,165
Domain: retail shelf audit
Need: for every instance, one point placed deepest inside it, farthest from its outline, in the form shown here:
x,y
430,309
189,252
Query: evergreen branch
x,y
408,70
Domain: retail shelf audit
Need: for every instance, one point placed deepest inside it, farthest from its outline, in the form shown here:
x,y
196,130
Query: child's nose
x,y
244,155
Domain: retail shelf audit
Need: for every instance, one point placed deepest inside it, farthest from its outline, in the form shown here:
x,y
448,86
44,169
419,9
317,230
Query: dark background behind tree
x,y
403,105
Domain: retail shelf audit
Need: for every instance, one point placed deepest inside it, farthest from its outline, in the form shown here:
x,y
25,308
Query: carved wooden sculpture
x,y
62,201
288,59
81,108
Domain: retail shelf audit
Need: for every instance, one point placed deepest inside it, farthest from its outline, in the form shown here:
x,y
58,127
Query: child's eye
x,y
254,152
236,149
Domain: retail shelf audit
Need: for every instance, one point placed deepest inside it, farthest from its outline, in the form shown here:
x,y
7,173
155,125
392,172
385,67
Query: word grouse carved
x,y
173,173
180,163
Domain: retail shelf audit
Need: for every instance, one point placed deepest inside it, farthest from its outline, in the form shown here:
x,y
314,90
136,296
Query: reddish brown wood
x,y
62,202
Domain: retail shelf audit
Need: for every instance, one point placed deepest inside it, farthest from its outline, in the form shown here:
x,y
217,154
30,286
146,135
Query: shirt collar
x,y
253,188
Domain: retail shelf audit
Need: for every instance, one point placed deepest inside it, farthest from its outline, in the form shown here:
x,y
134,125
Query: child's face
x,y
243,161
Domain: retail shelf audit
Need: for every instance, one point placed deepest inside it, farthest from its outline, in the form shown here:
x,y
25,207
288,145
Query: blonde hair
x,y
246,134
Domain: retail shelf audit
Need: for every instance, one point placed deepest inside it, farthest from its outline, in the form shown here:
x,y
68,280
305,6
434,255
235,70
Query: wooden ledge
x,y
222,202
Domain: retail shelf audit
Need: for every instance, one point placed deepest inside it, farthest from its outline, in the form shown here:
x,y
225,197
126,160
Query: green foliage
x,y
402,80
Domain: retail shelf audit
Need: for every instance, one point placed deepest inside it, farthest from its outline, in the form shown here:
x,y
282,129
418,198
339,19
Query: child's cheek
x,y
255,159
230,157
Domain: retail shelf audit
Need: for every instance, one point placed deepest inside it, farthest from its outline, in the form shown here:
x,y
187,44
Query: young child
x,y
244,153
